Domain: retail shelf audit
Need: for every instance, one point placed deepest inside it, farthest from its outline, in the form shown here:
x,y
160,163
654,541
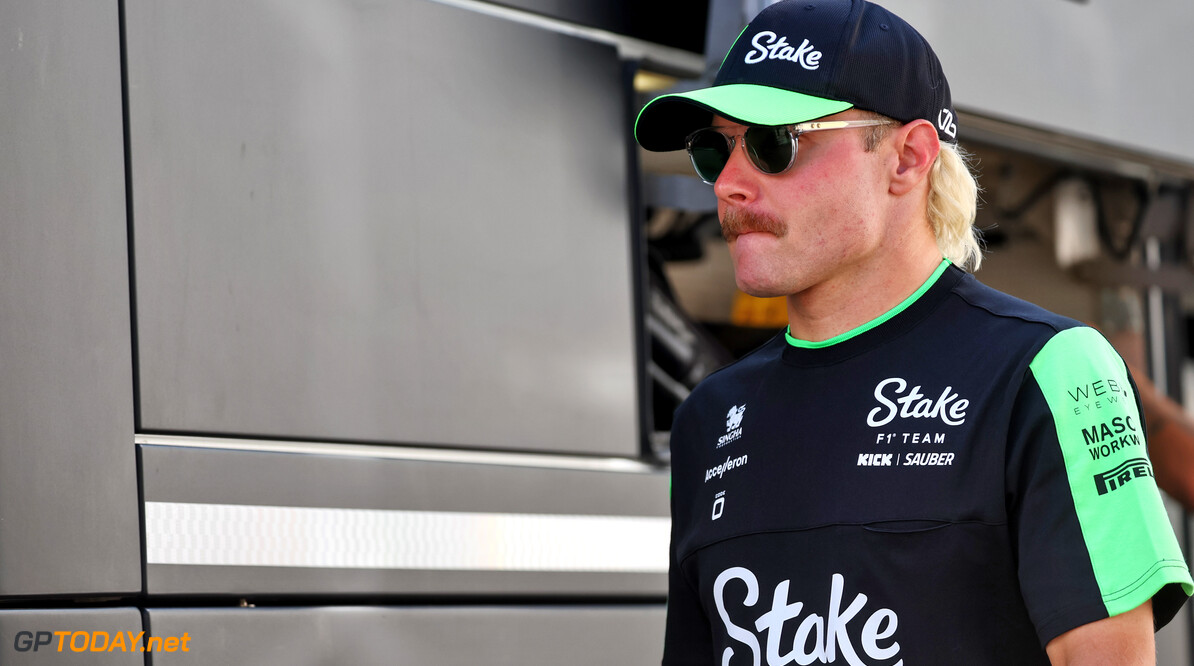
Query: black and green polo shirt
x,y
959,481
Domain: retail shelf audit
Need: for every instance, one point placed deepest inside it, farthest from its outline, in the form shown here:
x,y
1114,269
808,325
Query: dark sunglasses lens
x,y
709,150
772,149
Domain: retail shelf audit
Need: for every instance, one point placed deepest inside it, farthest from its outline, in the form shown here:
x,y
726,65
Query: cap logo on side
x,y
945,122
770,46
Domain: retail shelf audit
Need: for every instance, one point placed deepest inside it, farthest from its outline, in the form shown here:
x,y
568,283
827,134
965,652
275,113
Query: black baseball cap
x,y
800,60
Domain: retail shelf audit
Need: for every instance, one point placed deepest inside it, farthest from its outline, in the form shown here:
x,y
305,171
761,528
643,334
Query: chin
x,y
759,277
760,290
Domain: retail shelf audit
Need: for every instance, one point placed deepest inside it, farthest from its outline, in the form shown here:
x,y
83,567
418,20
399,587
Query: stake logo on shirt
x,y
819,637
896,400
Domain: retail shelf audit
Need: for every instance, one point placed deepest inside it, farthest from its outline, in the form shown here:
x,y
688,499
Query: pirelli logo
x,y
1129,470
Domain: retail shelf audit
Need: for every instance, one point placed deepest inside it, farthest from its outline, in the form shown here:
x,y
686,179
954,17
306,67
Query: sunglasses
x,y
771,148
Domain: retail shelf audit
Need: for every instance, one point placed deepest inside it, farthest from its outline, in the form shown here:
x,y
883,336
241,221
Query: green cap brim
x,y
666,121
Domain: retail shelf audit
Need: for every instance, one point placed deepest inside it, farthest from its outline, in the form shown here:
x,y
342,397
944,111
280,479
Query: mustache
x,y
737,222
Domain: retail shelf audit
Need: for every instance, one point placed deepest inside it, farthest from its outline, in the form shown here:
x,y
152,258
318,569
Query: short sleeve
x,y
688,639
1092,535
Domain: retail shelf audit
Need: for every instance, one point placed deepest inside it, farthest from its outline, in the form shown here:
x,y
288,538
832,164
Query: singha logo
x,y
733,425
734,418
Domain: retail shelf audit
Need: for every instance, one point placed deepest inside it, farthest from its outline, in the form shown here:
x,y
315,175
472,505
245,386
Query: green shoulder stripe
x,y
1132,546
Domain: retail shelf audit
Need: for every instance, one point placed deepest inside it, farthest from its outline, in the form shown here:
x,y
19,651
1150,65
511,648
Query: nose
x,y
738,180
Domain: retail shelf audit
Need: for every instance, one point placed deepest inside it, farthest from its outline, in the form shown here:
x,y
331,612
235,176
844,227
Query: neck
x,y
852,299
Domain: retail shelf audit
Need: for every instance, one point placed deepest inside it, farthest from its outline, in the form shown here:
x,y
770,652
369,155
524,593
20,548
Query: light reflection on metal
x,y
288,536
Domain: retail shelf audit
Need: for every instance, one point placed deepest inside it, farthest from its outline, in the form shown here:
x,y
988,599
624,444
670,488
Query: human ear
x,y
916,146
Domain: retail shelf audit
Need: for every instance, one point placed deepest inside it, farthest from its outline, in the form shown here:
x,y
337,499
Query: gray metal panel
x,y
205,476
677,24
28,637
255,582
1113,70
185,474
398,222
68,488
513,636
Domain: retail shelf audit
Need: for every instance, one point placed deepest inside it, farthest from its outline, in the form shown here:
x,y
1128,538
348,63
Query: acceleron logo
x,y
98,641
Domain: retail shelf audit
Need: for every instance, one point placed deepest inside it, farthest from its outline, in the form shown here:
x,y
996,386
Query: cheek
x,y
859,234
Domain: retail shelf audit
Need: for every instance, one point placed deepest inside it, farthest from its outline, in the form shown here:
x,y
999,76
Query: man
x,y
921,470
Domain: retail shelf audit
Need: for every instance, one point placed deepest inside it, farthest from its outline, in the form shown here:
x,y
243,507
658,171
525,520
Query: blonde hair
x,y
953,199
953,205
